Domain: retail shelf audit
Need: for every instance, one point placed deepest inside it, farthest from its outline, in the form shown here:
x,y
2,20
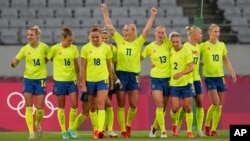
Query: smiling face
x,y
128,32
176,41
32,36
95,38
105,37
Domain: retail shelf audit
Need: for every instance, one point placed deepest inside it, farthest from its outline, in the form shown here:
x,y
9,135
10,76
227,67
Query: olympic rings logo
x,y
21,104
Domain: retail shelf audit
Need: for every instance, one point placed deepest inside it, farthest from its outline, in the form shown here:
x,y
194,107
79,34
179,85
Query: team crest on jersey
x,y
208,48
60,53
90,52
123,42
154,51
29,53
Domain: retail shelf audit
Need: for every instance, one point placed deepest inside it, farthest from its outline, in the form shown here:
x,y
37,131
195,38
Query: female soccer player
x,y
158,51
34,81
64,56
214,55
194,37
96,75
105,36
128,66
181,65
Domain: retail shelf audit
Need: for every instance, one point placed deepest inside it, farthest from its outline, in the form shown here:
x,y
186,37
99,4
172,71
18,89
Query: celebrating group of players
x,y
106,69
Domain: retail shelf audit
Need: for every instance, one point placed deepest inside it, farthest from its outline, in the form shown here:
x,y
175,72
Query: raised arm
x,y
107,20
149,22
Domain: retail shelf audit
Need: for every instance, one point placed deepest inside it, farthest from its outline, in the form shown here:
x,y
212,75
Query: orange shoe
x,y
128,130
190,135
124,134
214,134
95,134
174,130
207,130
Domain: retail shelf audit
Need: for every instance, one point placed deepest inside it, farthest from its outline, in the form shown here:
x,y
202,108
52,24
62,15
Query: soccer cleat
x,y
124,134
201,134
65,135
112,134
152,133
128,130
95,134
190,135
31,137
72,133
174,130
214,134
164,135
207,130
100,135
39,131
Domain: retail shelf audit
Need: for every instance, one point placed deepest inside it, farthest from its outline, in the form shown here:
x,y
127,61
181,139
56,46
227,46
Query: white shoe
x,y
112,134
31,137
39,131
164,135
152,133
201,134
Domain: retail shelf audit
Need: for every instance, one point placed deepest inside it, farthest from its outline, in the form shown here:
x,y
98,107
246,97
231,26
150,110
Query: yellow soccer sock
x,y
181,114
131,115
155,124
189,121
29,119
216,118
78,122
101,119
121,118
160,119
109,118
174,117
94,120
72,117
210,113
39,117
61,119
199,118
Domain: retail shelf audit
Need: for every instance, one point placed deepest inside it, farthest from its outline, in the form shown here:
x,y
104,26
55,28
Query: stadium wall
x,y
235,110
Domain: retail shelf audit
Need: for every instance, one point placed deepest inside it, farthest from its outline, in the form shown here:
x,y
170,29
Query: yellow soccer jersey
x,y
128,53
96,61
159,56
63,62
212,56
196,54
178,62
35,66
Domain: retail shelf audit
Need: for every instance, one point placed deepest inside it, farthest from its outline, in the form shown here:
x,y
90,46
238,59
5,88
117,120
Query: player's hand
x,y
84,88
154,11
234,78
103,6
118,82
177,76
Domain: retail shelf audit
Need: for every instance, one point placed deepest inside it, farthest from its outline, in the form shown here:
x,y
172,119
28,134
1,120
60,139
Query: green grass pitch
x,y
87,136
